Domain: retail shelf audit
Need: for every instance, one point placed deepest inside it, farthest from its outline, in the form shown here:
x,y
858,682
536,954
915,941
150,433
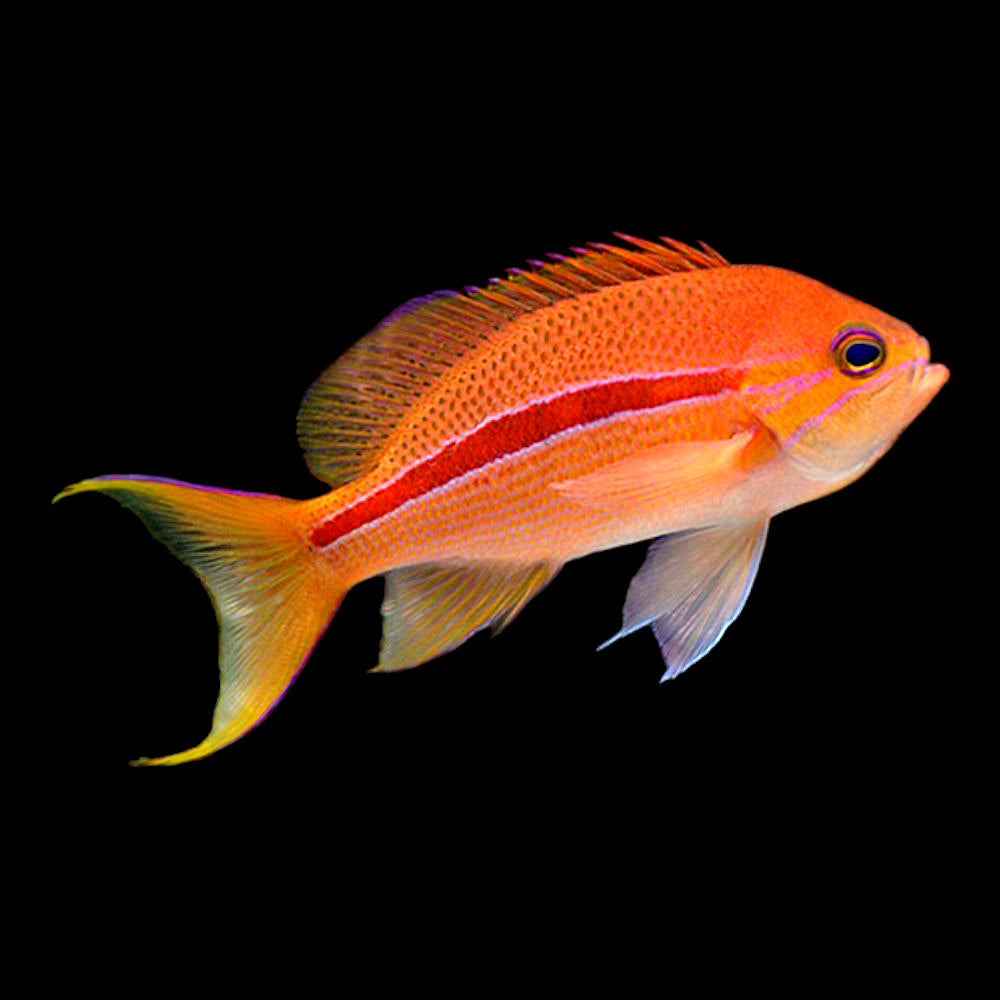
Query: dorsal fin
x,y
354,406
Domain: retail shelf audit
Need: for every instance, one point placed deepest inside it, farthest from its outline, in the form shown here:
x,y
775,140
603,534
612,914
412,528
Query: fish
x,y
476,441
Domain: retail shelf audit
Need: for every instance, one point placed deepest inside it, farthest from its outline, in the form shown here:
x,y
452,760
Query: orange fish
x,y
476,442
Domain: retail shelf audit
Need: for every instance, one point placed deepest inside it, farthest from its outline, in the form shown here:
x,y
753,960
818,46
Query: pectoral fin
x,y
679,472
692,586
430,609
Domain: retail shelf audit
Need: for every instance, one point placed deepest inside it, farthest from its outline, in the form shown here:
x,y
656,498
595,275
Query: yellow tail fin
x,y
273,596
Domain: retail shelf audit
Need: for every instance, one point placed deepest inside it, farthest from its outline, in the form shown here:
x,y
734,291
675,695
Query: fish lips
x,y
927,378
925,381
933,377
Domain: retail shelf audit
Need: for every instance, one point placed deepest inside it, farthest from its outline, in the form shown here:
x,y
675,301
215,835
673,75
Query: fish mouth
x,y
925,380
932,378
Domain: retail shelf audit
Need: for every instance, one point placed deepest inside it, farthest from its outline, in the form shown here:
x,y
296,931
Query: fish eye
x,y
858,351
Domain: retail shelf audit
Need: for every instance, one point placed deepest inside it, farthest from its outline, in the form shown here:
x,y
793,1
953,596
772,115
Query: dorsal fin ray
x,y
352,409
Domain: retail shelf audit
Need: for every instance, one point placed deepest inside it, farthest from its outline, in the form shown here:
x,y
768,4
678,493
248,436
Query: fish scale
x,y
475,442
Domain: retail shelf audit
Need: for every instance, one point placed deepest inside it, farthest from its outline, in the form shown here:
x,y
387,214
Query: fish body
x,y
477,442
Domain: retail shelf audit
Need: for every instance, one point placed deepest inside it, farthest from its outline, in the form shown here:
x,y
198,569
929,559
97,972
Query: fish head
x,y
841,380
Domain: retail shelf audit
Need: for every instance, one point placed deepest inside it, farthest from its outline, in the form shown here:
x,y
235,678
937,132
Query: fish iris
x,y
859,352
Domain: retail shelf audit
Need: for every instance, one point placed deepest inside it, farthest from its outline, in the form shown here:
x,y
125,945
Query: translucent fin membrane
x,y
433,608
691,587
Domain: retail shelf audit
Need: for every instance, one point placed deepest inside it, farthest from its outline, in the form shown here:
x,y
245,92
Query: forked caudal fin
x,y
272,596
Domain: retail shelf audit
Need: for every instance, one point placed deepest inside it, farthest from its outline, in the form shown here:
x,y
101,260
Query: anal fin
x,y
432,608
692,586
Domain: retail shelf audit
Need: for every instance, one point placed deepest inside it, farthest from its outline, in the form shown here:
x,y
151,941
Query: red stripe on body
x,y
514,431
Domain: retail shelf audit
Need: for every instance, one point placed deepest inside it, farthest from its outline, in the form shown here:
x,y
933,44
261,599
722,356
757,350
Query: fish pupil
x,y
859,355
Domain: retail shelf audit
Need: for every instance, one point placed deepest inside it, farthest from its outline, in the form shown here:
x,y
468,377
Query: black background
x,y
215,246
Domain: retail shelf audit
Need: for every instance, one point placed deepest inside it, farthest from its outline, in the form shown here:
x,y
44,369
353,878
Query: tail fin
x,y
273,597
